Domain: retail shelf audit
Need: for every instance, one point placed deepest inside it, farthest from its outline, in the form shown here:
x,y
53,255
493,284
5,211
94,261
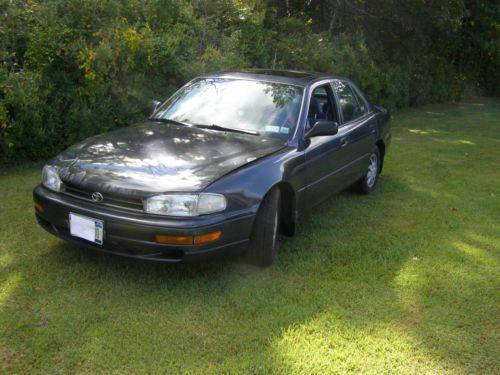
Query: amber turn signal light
x,y
188,240
38,208
204,238
174,240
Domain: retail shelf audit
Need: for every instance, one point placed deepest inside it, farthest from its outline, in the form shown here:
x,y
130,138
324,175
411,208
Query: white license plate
x,y
86,227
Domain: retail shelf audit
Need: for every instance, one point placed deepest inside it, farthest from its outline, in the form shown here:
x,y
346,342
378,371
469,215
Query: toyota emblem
x,y
97,197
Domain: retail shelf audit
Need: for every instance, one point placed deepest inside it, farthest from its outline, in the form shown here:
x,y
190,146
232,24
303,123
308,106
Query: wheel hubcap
x,y
371,175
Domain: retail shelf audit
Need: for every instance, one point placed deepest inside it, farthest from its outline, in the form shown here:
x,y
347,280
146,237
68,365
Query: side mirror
x,y
323,127
154,106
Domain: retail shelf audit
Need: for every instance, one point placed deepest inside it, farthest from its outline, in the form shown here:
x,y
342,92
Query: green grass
x,y
405,280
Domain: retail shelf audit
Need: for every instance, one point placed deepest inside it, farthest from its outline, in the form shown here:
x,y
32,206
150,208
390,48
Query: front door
x,y
325,156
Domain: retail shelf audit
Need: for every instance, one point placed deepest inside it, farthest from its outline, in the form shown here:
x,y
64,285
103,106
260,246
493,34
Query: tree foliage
x,y
73,68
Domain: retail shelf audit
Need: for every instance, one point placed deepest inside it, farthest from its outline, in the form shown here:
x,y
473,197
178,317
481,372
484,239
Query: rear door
x,y
357,128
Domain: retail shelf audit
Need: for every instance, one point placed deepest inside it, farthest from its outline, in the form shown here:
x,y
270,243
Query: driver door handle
x,y
343,142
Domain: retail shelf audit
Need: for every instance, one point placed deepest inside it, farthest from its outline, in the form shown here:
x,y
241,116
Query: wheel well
x,y
287,209
381,146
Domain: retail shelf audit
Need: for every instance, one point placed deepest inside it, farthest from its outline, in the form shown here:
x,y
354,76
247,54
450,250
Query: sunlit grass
x,y
405,280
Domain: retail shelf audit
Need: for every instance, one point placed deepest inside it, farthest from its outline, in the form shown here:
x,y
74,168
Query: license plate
x,y
88,228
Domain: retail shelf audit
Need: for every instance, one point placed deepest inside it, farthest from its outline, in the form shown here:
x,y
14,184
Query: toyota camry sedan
x,y
223,166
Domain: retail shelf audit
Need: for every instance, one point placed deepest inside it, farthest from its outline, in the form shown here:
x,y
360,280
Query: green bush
x,y
73,68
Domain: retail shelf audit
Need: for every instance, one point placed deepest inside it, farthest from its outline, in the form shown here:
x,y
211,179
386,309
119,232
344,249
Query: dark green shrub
x,y
73,68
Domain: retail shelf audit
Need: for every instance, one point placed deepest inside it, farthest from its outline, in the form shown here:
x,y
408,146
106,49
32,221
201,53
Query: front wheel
x,y
368,182
262,245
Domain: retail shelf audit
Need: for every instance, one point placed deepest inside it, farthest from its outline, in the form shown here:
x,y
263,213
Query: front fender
x,y
245,187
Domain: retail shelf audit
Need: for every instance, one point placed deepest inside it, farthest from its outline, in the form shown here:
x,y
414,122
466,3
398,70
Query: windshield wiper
x,y
224,128
169,121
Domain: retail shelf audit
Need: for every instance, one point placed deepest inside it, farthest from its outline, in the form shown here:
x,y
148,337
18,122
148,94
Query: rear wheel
x,y
262,246
368,182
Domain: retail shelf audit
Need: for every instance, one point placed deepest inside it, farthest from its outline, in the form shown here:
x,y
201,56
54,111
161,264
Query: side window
x,y
351,104
321,105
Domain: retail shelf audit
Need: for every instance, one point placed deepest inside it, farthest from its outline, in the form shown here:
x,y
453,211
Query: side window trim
x,y
340,115
331,98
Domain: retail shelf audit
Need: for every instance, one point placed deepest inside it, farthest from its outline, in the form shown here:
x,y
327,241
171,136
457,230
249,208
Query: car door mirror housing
x,y
323,127
154,106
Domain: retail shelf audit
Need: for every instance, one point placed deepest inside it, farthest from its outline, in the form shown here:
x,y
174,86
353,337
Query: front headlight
x,y
185,204
51,180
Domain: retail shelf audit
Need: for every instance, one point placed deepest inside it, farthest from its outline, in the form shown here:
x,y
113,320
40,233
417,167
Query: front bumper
x,y
132,234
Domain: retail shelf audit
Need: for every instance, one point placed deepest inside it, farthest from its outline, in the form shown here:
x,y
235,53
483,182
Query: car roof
x,y
291,77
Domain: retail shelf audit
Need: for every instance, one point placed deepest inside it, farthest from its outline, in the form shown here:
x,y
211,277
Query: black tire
x,y
368,182
262,245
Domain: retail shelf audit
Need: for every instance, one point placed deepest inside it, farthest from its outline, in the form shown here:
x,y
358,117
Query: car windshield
x,y
254,106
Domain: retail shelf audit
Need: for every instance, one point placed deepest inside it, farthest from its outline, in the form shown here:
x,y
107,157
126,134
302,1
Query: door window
x,y
351,104
321,105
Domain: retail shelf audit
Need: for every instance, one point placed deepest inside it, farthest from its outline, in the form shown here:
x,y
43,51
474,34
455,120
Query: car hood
x,y
154,157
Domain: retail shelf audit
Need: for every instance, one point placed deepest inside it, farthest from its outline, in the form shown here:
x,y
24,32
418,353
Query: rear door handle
x,y
343,142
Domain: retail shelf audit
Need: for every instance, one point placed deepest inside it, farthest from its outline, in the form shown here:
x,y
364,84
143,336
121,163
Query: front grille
x,y
110,200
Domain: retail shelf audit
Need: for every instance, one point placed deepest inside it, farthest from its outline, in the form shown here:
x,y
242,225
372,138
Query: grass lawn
x,y
405,280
